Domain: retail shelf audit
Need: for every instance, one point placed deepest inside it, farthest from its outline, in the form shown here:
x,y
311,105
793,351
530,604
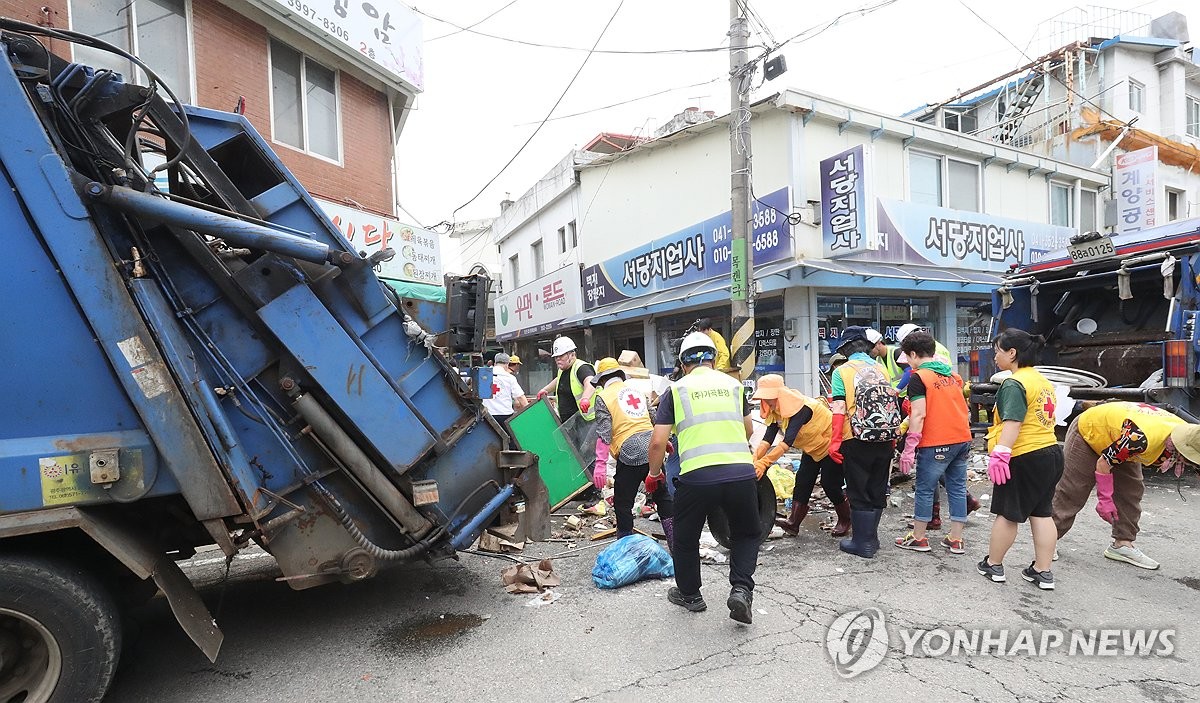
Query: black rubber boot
x,y
864,540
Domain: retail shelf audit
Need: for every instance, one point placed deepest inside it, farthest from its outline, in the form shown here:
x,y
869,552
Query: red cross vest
x,y
630,412
1037,429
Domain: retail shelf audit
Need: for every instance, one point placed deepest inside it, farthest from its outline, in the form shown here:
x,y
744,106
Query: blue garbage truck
x,y
1118,313
193,356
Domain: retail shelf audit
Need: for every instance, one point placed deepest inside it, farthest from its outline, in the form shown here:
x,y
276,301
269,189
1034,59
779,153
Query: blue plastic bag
x,y
629,560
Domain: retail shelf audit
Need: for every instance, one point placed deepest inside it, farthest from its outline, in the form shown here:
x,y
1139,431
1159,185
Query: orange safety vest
x,y
947,420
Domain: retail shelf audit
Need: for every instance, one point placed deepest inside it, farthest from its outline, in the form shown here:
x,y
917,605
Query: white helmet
x,y
905,330
697,342
562,345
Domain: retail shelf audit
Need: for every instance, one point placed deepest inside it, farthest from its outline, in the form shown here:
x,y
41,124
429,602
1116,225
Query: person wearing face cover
x,y
1106,448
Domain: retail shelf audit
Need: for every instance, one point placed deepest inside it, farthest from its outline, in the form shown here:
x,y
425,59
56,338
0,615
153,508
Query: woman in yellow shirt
x,y
1106,447
1025,460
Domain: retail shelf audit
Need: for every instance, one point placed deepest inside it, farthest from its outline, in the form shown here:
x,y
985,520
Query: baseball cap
x,y
514,360
502,358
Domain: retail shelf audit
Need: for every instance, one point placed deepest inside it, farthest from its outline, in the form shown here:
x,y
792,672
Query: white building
x,y
1106,77
891,221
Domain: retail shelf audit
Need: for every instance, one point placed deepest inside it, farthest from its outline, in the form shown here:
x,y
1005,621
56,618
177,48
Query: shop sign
x,y
539,306
418,251
925,235
1135,179
698,253
845,210
768,348
385,32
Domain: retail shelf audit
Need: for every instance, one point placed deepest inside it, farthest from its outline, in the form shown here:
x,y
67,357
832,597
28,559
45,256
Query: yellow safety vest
x,y
709,420
1101,426
813,437
894,370
576,388
1037,429
630,411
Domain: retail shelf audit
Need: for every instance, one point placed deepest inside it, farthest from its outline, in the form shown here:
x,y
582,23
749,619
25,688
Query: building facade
x,y
858,218
1112,83
329,93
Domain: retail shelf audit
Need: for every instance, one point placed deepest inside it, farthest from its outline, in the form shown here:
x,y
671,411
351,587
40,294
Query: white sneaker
x,y
1130,555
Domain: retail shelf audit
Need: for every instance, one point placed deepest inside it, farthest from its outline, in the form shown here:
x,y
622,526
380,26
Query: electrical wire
x,y
474,24
630,100
1052,74
548,114
633,52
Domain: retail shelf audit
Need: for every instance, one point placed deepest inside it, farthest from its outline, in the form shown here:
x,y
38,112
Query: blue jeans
x,y
932,464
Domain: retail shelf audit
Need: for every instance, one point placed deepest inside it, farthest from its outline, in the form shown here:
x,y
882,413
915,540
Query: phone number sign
x,y
382,31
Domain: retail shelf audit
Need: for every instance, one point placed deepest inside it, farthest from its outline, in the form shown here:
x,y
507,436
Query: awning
x,y
864,271
421,291
788,274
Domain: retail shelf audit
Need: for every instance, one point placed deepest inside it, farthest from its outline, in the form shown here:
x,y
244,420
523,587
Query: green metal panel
x,y
536,430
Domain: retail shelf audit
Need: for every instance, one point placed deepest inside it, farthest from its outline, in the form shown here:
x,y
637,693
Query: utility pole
x,y
741,259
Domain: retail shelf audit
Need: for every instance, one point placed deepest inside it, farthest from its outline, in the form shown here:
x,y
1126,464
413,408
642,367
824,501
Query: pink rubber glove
x,y
584,405
835,444
908,456
1105,508
600,470
653,483
998,465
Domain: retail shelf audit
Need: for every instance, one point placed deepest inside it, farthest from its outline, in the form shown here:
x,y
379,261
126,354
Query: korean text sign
x,y
418,251
1135,182
540,305
845,212
383,31
698,253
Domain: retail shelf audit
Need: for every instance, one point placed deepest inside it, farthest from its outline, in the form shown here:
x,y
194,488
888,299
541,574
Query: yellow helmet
x,y
607,367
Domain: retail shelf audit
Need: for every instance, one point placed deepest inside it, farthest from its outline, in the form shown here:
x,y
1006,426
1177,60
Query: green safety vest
x,y
577,389
894,371
709,420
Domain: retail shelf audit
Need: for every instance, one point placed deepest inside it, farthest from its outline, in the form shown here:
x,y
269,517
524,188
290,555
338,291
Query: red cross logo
x,y
1049,406
495,389
633,401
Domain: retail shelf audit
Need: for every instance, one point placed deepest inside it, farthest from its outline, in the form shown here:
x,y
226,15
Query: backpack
x,y
876,415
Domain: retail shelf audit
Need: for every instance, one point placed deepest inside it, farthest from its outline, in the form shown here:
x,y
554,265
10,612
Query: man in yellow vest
x,y
573,390
721,363
623,428
709,413
1106,447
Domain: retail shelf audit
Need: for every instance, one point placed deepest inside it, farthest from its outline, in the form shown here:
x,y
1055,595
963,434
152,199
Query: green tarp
x,y
421,291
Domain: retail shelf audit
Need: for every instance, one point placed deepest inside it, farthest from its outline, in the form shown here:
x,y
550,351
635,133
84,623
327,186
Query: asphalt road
x,y
450,632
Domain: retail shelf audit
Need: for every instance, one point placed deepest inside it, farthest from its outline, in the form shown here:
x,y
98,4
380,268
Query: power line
x,y
707,50
548,114
1052,74
630,100
822,28
475,24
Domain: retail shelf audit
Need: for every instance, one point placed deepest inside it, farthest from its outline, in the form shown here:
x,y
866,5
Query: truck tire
x,y
718,524
60,636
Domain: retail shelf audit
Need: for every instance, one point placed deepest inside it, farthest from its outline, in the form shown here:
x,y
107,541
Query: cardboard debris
x,y
543,599
530,578
501,539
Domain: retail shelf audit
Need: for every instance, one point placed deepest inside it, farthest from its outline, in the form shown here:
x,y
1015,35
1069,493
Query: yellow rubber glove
x,y
762,464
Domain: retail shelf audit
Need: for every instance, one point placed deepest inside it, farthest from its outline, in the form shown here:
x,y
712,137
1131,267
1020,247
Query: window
x,y
154,30
1193,116
1137,96
925,178
572,234
514,271
1061,201
964,121
539,265
963,182
304,105
562,240
1176,200
1087,211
